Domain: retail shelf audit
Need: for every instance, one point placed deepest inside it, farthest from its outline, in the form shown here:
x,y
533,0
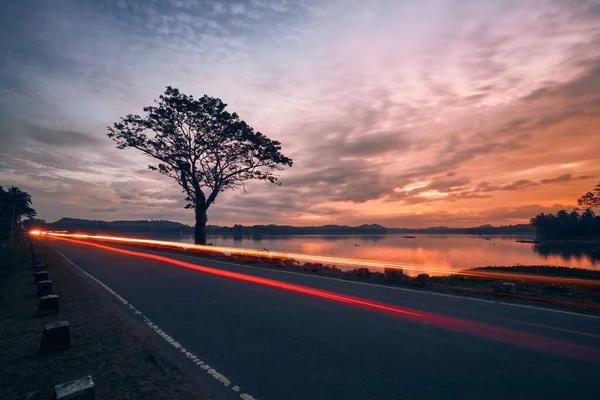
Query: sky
x,y
403,113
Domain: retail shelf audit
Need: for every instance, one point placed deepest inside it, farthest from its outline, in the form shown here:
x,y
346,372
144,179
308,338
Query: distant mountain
x,y
170,227
480,230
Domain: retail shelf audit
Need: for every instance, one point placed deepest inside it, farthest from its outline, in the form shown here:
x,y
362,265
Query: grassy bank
x,y
120,353
572,289
545,270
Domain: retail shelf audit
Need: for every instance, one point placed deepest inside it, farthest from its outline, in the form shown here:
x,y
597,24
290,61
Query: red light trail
x,y
505,335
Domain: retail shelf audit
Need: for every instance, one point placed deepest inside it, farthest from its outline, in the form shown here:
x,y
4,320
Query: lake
x,y
434,254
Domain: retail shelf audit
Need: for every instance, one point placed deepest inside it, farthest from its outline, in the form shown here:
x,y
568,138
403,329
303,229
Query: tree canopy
x,y
566,224
14,204
202,146
590,199
574,224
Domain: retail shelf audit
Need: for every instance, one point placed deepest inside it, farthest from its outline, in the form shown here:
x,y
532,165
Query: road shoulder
x,y
123,355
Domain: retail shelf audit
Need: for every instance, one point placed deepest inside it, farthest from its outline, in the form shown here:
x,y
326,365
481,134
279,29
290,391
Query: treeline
x,y
518,229
283,230
373,229
567,225
170,227
14,205
133,226
574,224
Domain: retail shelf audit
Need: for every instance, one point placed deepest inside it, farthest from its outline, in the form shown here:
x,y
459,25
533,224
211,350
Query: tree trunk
x,y
200,228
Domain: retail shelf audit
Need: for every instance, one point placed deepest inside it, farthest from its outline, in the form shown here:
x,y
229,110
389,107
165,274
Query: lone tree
x,y
590,199
206,149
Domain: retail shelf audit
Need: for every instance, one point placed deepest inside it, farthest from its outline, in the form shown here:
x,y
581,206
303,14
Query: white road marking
x,y
225,381
216,375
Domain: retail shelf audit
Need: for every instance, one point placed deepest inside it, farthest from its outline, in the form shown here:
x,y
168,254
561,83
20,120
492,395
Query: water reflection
x,y
570,251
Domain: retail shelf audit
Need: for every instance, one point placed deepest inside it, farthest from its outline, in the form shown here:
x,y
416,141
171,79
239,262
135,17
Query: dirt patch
x,y
119,352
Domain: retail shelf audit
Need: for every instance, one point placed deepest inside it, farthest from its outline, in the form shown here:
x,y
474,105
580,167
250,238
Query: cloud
x,y
103,210
517,185
58,137
583,86
443,184
522,184
565,178
349,180
466,101
377,144
523,212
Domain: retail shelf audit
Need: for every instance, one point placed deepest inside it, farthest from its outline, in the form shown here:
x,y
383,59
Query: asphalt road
x,y
280,344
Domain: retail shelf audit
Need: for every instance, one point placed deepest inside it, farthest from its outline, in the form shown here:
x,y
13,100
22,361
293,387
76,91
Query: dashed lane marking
x,y
190,356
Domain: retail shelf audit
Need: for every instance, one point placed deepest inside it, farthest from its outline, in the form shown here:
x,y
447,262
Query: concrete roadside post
x,y
55,337
80,389
38,267
41,276
44,288
509,287
48,304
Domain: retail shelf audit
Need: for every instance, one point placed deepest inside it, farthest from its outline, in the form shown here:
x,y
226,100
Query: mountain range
x,y
171,227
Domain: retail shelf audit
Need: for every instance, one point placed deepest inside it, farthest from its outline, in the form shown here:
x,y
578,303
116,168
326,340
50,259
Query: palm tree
x,y
14,203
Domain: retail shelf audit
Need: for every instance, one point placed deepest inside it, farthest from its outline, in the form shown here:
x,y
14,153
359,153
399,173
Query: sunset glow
x,y
406,114
301,193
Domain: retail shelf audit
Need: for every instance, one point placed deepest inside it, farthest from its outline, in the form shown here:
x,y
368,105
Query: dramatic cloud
x,y
404,113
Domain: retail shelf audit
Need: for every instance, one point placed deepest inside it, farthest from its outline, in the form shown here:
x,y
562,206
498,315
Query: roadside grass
x,y
120,353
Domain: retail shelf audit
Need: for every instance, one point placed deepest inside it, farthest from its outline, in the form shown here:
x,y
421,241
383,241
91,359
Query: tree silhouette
x,y
590,199
565,225
203,147
571,225
34,223
14,204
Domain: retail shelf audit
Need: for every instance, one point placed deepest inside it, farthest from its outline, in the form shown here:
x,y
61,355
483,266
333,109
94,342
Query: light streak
x,y
35,232
329,260
524,339
251,252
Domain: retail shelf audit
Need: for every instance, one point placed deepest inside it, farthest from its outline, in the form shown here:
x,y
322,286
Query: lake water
x,y
436,254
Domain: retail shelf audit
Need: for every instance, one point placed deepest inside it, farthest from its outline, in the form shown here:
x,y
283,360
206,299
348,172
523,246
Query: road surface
x,y
275,343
